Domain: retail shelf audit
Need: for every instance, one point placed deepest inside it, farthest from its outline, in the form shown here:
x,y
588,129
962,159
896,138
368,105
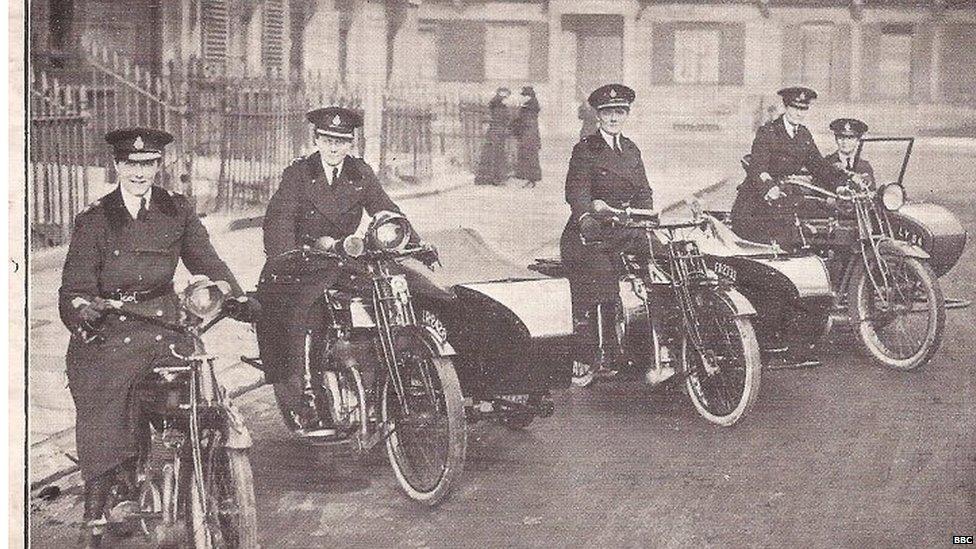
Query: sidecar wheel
x,y
724,390
904,333
427,441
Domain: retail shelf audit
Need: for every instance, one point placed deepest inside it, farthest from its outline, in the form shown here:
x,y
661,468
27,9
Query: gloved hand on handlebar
x,y
243,308
429,257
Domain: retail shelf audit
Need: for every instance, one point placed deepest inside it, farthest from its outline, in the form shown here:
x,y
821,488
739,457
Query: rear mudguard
x,y
898,247
236,434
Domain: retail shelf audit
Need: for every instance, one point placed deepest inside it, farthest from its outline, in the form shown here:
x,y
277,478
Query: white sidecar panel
x,y
809,273
543,305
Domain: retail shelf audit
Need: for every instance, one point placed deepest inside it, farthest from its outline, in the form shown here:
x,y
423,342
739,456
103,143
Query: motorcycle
x,y
884,284
376,368
194,479
671,300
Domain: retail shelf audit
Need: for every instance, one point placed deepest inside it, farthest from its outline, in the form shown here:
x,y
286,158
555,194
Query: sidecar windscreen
x,y
889,158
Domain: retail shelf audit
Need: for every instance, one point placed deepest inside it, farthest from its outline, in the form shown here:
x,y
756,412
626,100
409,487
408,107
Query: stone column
x,y
856,46
935,71
371,73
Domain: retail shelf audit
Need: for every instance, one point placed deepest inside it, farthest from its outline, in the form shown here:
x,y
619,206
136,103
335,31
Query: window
x,y
696,56
697,53
817,43
272,37
895,61
214,35
507,49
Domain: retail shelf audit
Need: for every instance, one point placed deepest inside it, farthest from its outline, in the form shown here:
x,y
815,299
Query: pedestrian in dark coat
x,y
607,167
319,202
526,127
781,148
126,247
493,167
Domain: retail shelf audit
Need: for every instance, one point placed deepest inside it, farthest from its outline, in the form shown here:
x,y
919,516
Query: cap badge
x,y
336,121
803,96
138,144
847,127
613,92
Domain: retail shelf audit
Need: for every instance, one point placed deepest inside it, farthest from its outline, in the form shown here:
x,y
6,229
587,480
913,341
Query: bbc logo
x,y
962,540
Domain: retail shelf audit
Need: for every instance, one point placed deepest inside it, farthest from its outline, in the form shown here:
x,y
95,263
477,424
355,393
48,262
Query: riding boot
x,y
596,340
124,494
93,517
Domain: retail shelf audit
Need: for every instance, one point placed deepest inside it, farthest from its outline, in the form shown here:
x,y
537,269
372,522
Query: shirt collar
x,y
133,202
608,137
328,169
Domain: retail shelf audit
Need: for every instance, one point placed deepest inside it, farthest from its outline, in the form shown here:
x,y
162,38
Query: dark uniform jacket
x,y
862,167
776,153
304,208
110,251
596,171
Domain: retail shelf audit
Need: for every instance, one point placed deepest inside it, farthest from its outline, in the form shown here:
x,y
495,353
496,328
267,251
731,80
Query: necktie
x,y
335,175
141,215
850,163
616,143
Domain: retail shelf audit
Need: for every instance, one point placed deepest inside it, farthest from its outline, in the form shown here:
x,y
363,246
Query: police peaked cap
x,y
848,127
335,121
611,95
138,144
797,96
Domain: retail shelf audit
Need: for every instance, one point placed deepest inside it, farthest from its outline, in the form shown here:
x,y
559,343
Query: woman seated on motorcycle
x,y
605,172
319,202
125,247
782,148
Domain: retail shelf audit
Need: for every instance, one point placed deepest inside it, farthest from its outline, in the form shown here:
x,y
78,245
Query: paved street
x,y
847,454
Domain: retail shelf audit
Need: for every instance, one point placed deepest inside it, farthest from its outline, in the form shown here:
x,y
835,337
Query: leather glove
x,y
243,309
429,257
590,229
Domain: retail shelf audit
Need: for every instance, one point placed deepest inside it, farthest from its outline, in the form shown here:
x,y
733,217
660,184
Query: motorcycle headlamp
x,y
389,231
893,197
204,298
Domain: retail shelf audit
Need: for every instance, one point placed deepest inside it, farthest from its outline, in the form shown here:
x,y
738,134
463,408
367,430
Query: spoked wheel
x,y
428,432
150,502
231,517
723,380
900,324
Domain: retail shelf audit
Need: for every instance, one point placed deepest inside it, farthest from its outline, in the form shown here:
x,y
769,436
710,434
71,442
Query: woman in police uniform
x,y
125,247
782,147
605,167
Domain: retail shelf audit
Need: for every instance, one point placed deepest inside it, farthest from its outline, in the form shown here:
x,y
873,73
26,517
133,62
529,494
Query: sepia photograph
x,y
492,273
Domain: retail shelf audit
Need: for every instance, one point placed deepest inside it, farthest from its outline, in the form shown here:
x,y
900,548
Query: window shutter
x,y
272,37
214,34
733,52
921,62
539,55
461,51
792,49
870,42
840,79
662,53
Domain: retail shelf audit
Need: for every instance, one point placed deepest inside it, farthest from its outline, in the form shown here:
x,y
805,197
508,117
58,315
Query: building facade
x,y
697,65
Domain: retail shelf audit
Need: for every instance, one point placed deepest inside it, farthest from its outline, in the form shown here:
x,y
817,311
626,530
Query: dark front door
x,y
599,50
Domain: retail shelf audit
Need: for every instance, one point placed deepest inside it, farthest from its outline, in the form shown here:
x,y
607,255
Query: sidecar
x,y
511,327
790,292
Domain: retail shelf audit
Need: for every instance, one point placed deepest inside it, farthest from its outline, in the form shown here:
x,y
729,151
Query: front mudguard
x,y
899,247
410,337
736,302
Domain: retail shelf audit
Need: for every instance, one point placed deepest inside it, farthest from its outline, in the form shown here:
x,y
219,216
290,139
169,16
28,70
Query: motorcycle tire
x,y
744,374
429,489
873,327
233,514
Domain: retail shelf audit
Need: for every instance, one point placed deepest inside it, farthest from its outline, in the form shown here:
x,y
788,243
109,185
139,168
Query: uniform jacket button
x,y
159,312
122,318
127,340
159,337
116,252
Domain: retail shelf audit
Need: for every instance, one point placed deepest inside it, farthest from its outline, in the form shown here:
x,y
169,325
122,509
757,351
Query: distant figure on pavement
x,y
526,128
587,114
493,166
